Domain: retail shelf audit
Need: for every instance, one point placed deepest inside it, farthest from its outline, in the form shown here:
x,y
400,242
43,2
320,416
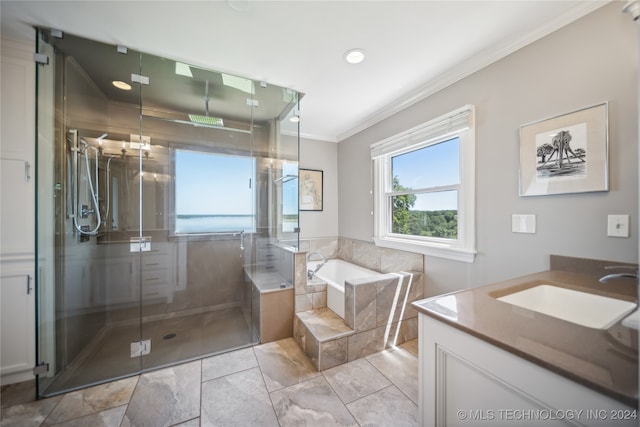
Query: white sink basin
x,y
592,311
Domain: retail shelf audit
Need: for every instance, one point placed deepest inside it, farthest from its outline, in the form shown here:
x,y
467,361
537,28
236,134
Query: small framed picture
x,y
566,154
310,189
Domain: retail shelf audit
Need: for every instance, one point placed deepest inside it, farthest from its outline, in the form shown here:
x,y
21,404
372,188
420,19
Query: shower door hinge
x,y
41,58
137,78
140,348
140,244
41,369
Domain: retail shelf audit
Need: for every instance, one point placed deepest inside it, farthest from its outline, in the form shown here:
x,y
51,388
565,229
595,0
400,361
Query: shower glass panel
x,y
85,273
163,199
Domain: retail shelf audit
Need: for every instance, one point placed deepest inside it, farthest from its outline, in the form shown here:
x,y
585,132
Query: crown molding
x,y
476,63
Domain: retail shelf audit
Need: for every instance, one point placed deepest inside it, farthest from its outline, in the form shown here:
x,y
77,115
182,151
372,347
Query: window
x,y
213,193
289,197
424,188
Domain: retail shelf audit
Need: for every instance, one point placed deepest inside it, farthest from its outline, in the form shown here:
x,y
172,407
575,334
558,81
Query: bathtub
x,y
335,272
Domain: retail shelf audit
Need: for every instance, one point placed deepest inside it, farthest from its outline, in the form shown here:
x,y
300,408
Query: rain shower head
x,y
197,119
205,120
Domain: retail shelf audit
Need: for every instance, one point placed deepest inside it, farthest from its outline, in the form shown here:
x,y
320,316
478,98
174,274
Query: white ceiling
x,y
414,48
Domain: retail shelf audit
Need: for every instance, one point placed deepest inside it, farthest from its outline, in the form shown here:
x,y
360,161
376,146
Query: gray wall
x,y
321,155
592,60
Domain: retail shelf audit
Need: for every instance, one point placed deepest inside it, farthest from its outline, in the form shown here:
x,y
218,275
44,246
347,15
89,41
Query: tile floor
x,y
271,384
202,333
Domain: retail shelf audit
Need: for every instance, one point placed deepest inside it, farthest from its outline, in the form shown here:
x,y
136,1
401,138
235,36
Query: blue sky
x,y
214,184
290,189
430,167
209,184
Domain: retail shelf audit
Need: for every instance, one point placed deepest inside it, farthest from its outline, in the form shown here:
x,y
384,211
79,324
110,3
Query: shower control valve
x,y
85,211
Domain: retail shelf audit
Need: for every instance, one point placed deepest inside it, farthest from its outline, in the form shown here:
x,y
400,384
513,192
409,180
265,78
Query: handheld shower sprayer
x,y
84,150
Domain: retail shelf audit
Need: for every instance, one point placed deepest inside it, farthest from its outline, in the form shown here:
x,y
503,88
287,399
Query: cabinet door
x,y
467,381
17,317
16,209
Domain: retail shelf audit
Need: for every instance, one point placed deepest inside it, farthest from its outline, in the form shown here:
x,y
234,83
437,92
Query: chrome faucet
x,y
311,273
605,279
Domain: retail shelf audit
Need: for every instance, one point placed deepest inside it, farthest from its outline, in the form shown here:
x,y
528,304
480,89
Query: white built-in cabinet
x,y
464,380
17,212
123,278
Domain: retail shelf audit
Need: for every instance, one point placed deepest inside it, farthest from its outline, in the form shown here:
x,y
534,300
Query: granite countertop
x,y
605,360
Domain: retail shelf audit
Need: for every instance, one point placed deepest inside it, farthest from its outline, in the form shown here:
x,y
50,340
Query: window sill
x,y
440,251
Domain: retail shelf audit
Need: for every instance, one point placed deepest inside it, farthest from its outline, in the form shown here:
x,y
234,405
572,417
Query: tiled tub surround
x,y
336,272
377,316
312,295
386,318
364,254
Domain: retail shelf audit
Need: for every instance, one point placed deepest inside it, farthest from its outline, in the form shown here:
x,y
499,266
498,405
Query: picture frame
x,y
566,154
310,191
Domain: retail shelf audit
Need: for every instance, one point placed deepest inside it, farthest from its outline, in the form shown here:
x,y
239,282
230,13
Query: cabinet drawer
x,y
155,277
155,261
159,291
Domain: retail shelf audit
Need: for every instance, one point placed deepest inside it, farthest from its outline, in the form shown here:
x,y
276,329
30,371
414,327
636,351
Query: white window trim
x,y
459,123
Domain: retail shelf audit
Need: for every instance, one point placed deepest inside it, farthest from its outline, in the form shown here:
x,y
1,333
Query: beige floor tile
x,y
166,397
29,414
311,403
401,368
15,394
239,399
228,363
272,384
356,379
93,400
108,418
387,407
191,423
283,364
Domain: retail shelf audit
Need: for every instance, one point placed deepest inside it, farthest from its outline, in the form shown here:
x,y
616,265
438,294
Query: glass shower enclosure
x,y
159,184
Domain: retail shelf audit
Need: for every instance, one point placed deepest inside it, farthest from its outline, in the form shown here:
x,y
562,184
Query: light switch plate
x,y
523,223
618,226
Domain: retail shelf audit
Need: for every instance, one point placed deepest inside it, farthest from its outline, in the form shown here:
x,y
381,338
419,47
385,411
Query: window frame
x,y
458,123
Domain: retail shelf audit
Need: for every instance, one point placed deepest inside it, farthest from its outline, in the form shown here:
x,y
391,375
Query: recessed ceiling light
x,y
354,56
121,85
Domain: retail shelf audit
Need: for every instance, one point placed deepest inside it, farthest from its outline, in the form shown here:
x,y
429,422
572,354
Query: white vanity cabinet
x,y
465,380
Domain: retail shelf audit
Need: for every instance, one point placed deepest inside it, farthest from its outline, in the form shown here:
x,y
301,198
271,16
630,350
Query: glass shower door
x,y
198,211
87,277
164,190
